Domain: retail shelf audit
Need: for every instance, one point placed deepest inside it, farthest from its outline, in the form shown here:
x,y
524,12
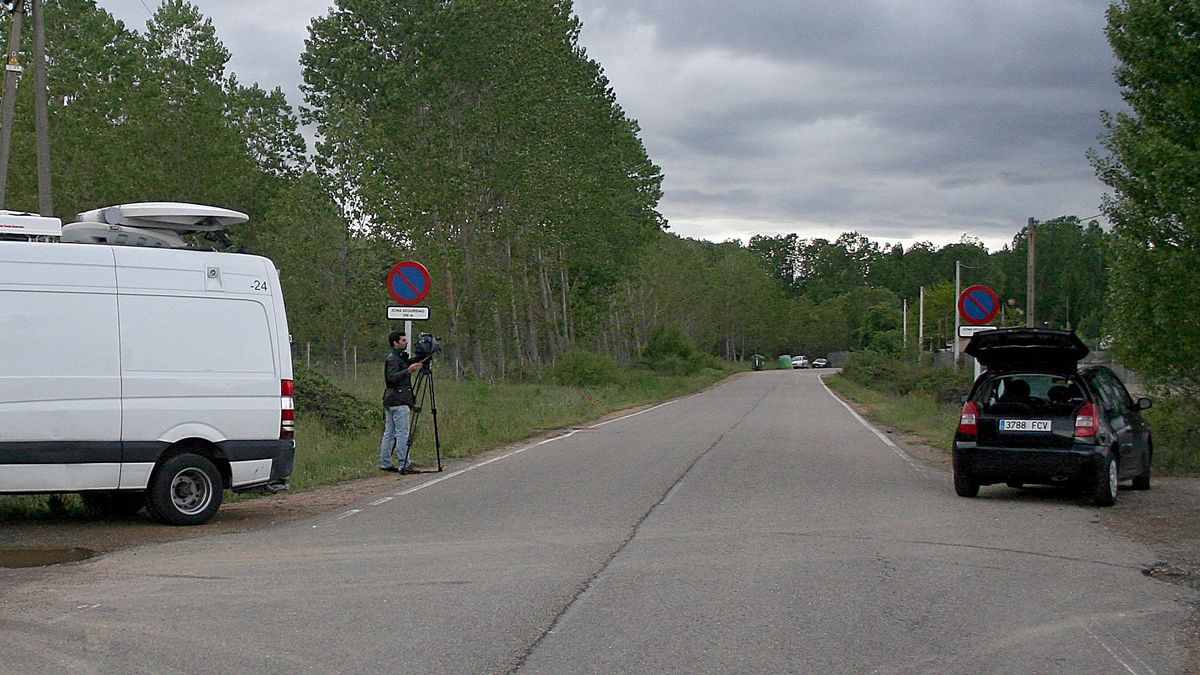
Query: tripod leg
x,y
437,438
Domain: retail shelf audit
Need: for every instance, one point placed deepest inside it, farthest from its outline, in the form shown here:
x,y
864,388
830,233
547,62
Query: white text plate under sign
x,y
408,313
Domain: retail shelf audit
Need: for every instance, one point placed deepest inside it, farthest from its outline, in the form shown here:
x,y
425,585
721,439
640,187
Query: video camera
x,y
426,345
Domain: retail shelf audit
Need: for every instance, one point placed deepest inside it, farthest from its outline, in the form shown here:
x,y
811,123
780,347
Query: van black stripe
x,y
112,452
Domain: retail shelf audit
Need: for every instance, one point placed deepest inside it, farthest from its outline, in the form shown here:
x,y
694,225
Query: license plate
x,y
1025,425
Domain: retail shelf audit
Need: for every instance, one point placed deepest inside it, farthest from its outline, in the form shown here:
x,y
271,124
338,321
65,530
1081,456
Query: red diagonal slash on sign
x,y
407,272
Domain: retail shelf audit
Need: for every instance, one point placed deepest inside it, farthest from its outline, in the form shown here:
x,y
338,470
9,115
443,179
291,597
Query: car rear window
x,y
1029,391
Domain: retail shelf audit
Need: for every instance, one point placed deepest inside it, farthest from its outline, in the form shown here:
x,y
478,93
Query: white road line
x,y
625,417
1110,651
506,455
887,441
453,474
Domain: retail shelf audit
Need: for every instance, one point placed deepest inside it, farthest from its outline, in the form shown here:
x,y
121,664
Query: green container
x,y
785,362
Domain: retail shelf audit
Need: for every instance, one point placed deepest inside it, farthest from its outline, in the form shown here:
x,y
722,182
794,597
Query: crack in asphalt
x,y
633,531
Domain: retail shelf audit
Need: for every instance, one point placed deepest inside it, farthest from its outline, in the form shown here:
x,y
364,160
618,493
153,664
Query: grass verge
x,y
473,417
916,413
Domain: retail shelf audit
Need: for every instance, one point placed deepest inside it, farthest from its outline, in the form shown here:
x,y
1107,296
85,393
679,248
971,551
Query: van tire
x,y
965,485
1104,483
185,490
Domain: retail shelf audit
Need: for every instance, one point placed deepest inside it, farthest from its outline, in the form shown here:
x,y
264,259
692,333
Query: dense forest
x,y
480,139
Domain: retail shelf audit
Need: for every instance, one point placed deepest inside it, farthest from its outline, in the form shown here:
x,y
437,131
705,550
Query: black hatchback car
x,y
1034,416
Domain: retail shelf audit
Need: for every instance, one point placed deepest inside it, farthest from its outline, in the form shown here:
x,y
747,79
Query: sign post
x,y
978,306
409,283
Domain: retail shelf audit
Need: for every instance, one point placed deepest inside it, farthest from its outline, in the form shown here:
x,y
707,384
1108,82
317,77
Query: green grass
x,y
916,413
473,417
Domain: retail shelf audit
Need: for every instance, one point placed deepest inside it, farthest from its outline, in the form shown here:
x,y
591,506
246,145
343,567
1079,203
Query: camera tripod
x,y
423,387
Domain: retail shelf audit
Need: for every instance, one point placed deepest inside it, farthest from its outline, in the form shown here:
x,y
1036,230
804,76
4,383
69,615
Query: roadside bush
x,y
889,374
581,368
1174,429
669,351
336,409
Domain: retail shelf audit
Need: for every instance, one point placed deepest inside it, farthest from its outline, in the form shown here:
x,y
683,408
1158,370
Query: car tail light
x,y
1087,421
287,410
968,424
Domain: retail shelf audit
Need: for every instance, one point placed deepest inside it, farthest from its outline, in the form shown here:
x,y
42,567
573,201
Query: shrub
x,y
667,341
889,374
581,368
669,351
336,409
1174,429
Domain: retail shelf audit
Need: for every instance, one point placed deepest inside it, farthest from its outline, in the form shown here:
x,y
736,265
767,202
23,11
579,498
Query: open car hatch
x,y
1014,349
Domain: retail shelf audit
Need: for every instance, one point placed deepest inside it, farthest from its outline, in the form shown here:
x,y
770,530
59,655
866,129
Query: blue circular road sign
x,y
978,305
409,282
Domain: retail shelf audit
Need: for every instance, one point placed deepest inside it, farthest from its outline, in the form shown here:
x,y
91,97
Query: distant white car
x,y
820,363
799,362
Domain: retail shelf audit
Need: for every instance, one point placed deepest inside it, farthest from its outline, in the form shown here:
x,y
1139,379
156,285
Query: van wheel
x,y
1104,484
113,504
185,490
965,485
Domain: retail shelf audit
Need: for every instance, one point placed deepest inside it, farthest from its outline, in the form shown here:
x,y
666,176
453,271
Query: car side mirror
x,y
1144,403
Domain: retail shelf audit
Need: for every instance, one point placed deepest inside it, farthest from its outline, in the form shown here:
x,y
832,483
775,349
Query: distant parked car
x,y
820,363
799,362
1035,416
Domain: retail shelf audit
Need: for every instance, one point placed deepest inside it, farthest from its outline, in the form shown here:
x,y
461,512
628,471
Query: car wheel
x,y
1104,484
1142,480
185,490
965,485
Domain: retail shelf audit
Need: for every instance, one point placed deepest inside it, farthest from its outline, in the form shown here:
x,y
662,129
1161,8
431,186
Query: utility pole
x,y
1030,269
12,68
41,111
921,322
905,329
957,292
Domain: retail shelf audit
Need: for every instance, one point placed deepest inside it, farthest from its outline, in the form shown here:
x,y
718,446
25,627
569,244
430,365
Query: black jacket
x,y
399,383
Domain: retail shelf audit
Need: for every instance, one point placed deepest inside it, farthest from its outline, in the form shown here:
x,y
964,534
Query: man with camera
x,y
397,404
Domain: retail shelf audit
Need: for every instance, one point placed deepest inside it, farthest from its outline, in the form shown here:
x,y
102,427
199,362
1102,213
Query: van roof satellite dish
x,y
177,217
154,224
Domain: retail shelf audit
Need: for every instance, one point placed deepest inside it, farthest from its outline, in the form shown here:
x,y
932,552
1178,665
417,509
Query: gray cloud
x,y
903,121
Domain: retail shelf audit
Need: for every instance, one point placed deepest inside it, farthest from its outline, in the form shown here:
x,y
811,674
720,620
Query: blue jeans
x,y
395,432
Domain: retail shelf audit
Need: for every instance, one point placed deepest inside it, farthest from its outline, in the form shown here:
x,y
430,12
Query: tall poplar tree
x,y
479,135
1153,166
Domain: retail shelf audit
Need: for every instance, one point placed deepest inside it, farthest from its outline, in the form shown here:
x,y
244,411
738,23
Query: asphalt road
x,y
757,527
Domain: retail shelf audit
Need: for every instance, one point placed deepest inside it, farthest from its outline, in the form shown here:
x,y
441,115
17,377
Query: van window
x,y
181,334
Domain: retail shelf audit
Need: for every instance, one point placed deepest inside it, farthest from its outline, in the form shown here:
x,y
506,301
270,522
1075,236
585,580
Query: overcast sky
x,y
898,119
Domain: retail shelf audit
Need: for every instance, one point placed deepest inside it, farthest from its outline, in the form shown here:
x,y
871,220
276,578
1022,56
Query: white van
x,y
137,375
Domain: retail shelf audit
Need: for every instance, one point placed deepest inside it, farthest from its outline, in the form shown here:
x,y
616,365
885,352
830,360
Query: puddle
x,y
40,557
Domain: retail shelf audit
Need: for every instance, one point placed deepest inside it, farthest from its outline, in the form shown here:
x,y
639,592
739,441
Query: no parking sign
x,y
978,305
409,282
